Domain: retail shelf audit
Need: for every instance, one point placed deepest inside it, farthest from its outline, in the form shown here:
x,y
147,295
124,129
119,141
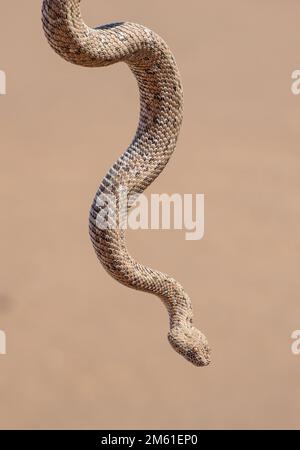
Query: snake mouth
x,y
200,357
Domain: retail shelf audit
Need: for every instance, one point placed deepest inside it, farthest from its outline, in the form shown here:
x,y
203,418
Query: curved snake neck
x,y
161,109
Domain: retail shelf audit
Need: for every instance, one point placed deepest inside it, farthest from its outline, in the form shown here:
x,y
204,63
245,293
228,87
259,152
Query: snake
x,y
161,112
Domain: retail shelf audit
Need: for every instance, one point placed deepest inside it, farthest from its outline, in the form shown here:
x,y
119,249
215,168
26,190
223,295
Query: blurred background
x,y
86,352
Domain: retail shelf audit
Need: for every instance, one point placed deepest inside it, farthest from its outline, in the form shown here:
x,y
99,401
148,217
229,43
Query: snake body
x,y
161,110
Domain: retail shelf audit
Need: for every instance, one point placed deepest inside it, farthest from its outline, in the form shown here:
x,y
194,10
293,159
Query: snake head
x,y
190,343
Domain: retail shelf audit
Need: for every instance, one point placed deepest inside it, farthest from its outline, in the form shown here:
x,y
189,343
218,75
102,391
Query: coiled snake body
x,y
161,105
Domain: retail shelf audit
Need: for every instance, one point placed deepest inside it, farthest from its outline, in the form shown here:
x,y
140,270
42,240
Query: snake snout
x,y
189,342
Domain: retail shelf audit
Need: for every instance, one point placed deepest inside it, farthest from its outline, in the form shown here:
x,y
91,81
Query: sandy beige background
x,y
85,352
